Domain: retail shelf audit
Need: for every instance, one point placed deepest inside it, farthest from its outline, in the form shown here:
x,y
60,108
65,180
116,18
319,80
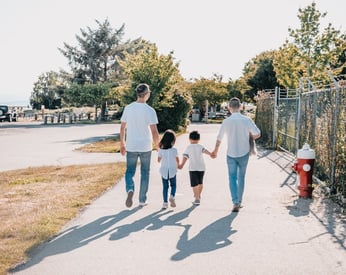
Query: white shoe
x,y
196,202
141,204
165,205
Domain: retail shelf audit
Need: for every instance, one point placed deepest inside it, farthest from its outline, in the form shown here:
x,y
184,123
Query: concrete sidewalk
x,y
275,232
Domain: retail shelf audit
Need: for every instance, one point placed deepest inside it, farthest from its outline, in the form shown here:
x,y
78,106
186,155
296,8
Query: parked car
x,y
5,114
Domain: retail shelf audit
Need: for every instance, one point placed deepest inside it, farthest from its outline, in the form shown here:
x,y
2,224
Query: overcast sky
x,y
206,36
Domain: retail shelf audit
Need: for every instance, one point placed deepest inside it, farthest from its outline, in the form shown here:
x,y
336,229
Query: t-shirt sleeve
x,y
254,130
124,115
186,153
221,132
153,117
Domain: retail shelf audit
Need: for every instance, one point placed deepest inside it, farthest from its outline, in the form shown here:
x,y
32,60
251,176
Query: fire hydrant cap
x,y
306,152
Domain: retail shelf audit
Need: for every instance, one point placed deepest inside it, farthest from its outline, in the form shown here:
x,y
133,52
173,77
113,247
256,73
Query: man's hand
x,y
123,150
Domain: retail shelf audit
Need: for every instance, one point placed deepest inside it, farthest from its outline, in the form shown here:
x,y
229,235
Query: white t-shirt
x,y
194,152
138,118
168,168
237,128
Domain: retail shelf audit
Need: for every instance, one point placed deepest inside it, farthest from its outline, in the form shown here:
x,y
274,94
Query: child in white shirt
x,y
194,152
168,156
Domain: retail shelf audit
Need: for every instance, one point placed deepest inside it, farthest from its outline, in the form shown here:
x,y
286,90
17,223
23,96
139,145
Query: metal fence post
x,y
299,99
334,125
275,114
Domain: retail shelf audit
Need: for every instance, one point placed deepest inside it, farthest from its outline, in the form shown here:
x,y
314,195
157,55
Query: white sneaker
x,y
165,205
141,204
196,202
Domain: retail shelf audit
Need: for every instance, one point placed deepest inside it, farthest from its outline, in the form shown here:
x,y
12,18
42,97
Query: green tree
x,y
238,89
212,90
96,57
288,66
95,63
88,94
161,73
312,52
47,91
259,74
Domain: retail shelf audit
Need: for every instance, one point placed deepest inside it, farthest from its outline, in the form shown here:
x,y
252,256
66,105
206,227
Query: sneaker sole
x,y
129,199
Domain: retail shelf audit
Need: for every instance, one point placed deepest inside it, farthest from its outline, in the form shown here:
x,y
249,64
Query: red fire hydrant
x,y
303,166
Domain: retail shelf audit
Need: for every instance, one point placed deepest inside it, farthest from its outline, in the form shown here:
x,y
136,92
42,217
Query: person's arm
x,y
254,137
155,134
207,152
182,163
255,132
216,149
177,161
122,138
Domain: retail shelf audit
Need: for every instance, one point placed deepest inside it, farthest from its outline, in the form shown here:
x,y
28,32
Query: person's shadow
x,y
212,237
75,237
173,220
150,222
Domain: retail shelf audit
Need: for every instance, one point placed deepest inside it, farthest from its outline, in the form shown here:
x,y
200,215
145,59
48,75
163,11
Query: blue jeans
x,y
165,183
131,165
236,175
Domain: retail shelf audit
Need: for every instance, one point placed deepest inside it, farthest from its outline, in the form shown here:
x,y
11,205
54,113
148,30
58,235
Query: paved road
x,y
33,144
275,233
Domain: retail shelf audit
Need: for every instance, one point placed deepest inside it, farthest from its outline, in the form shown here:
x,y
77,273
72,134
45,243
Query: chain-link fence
x,y
317,116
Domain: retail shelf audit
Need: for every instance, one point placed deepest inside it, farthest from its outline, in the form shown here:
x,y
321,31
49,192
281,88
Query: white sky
x,y
207,36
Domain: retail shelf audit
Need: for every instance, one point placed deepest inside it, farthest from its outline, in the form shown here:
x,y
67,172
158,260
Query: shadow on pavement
x,y
75,237
326,212
153,221
212,237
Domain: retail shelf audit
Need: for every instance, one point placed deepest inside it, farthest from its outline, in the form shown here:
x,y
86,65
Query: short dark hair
x,y
194,135
142,89
234,102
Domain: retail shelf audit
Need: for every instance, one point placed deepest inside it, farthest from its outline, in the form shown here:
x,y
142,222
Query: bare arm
x,y
207,152
182,163
122,138
216,149
256,136
177,160
155,134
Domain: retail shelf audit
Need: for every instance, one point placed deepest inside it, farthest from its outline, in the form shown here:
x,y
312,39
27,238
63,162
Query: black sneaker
x,y
236,208
129,202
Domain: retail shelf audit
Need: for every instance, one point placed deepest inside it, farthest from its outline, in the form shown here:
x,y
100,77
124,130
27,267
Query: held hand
x,y
213,154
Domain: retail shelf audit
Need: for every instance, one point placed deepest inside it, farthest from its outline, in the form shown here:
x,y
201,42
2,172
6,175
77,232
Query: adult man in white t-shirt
x,y
138,130
238,128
